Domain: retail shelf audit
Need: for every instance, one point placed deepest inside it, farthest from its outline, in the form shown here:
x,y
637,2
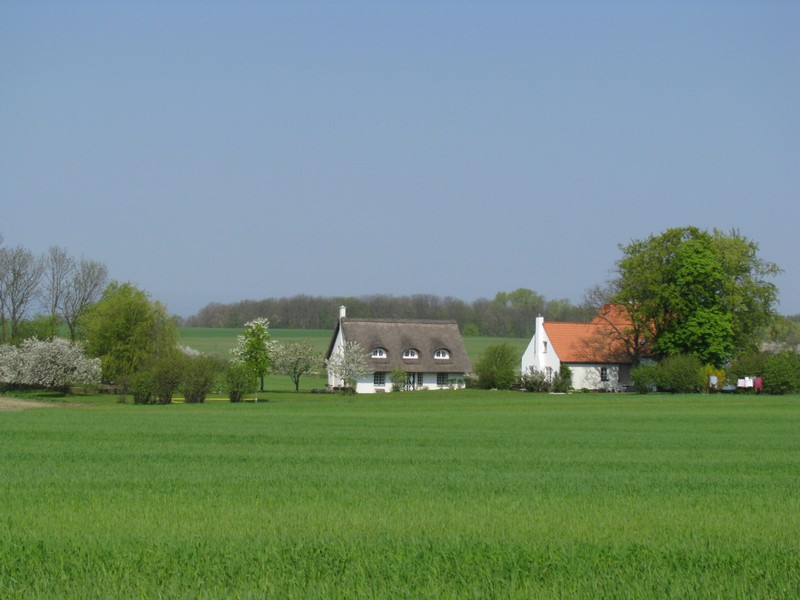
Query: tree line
x,y
684,292
508,314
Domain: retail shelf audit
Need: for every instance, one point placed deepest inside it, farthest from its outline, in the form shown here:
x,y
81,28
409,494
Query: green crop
x,y
421,495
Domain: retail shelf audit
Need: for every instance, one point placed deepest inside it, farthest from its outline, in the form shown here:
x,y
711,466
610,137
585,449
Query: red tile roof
x,y
590,342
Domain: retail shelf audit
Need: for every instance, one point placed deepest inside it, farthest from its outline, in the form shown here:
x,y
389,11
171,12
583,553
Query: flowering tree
x,y
349,363
294,359
10,365
252,347
55,364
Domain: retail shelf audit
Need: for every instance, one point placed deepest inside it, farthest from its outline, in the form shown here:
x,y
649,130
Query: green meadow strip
x,y
423,495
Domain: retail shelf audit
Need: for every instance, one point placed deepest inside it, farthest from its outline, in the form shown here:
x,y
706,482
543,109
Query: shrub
x,y
498,367
471,381
750,364
533,381
562,381
199,375
681,373
399,378
167,374
644,378
240,380
140,386
710,371
782,373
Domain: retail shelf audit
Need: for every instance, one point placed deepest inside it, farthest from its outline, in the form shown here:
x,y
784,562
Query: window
x,y
442,353
442,379
419,380
379,353
545,347
410,353
379,378
603,373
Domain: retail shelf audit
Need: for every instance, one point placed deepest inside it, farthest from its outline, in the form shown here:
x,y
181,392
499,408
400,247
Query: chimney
x,y
539,332
342,311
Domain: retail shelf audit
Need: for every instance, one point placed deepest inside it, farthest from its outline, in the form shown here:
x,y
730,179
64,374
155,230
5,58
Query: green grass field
x,y
215,340
419,495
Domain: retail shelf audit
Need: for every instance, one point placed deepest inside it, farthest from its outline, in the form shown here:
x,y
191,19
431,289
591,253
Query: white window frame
x,y
379,353
411,354
442,354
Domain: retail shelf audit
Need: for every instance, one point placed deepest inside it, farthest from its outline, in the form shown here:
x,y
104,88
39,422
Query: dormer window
x,y
379,353
410,353
442,354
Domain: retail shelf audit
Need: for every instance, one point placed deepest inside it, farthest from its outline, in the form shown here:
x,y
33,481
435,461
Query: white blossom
x,y
349,363
51,364
188,351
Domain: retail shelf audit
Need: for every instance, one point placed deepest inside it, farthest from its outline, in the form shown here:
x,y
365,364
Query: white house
x,y
593,351
431,353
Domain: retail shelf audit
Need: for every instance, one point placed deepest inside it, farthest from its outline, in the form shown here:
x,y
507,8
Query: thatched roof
x,y
396,336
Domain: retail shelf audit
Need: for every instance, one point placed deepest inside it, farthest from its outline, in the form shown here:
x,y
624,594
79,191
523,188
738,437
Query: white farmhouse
x,y
431,353
593,351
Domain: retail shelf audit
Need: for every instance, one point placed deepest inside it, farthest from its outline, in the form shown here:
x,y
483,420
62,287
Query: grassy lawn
x,y
429,494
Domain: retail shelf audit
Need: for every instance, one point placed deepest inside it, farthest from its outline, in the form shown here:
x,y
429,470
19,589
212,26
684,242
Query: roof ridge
x,y
384,320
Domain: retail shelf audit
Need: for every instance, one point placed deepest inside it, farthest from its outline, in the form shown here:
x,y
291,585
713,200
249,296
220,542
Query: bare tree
x,y
20,273
84,287
618,334
58,267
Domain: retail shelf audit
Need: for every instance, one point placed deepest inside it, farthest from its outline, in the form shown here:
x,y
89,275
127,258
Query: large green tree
x,y
696,292
127,330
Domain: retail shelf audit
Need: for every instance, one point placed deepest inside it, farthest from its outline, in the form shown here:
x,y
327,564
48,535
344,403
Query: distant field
x,y
218,340
221,340
415,495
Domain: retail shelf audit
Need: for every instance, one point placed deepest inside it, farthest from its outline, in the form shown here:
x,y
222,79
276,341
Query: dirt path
x,y
7,404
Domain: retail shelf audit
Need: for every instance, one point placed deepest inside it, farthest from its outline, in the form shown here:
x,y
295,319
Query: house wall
x,y
589,377
365,385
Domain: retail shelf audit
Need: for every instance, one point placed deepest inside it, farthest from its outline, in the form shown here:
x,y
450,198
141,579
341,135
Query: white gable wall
x,y
540,355
338,344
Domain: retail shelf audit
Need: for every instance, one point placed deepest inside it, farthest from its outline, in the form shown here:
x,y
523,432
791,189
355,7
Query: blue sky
x,y
220,151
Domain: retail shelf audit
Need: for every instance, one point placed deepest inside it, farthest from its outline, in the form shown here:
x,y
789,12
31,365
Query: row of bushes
x,y
193,376
779,371
498,368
